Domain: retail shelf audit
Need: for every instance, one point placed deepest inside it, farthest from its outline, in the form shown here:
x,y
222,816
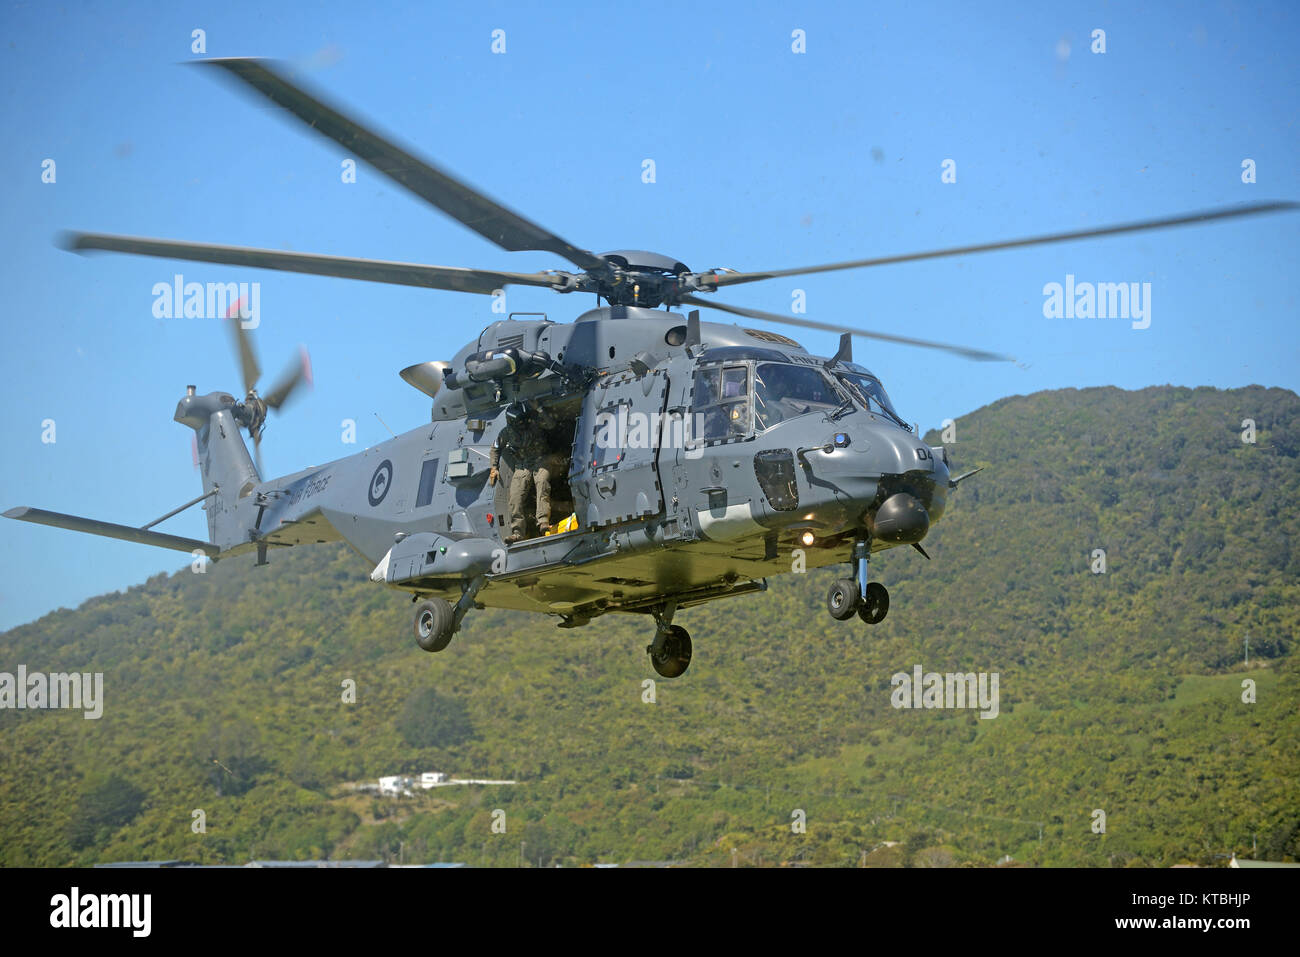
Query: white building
x,y
431,779
395,784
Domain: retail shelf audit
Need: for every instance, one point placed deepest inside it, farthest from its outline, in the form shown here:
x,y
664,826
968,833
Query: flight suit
x,y
523,442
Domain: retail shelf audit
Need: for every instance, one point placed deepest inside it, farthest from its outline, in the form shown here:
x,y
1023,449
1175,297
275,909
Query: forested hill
x,y
1121,691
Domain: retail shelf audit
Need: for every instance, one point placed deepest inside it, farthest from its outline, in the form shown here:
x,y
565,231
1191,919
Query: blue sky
x,y
764,158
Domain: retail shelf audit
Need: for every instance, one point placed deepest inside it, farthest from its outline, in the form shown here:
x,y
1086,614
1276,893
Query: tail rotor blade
x,y
248,367
257,453
289,382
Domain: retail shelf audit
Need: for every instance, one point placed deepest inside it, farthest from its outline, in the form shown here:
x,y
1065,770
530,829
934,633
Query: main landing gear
x,y
670,652
437,619
869,600
434,624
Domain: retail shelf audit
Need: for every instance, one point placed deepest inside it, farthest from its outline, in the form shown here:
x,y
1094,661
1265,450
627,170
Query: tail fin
x,y
226,466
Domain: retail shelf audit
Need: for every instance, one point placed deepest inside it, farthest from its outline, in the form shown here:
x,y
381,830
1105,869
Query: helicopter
x,y
694,459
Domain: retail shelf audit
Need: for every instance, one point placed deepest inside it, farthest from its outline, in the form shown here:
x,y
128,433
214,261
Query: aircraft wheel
x,y
675,656
876,606
842,599
433,624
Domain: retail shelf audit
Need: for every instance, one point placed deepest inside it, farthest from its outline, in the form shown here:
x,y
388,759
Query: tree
x,y
104,806
433,720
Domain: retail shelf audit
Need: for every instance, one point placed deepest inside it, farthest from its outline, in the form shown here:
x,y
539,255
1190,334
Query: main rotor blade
x,y
964,351
1209,215
454,278
486,217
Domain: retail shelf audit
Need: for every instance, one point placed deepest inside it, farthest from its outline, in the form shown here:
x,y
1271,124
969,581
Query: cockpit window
x,y
871,395
784,391
722,397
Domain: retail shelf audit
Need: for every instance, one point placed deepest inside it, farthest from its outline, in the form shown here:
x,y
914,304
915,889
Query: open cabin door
x,y
616,450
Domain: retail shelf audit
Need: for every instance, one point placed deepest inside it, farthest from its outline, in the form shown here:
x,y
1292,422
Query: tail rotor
x,y
251,413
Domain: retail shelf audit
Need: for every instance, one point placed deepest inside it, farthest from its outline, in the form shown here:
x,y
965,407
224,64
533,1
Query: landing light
x,y
806,539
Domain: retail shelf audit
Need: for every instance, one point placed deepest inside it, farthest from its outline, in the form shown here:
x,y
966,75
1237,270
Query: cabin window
x,y
611,435
428,476
774,469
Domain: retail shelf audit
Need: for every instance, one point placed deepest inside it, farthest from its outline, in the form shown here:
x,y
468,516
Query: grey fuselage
x,y
663,512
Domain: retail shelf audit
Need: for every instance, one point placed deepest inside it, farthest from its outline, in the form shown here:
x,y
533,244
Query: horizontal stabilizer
x,y
124,532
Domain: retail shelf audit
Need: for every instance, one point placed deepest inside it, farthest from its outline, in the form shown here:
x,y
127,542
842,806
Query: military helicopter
x,y
696,457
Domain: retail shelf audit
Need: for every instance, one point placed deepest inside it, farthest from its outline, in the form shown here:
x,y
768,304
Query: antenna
x,y
385,425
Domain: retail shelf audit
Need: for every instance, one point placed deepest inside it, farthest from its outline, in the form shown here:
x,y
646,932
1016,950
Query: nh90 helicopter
x,y
696,456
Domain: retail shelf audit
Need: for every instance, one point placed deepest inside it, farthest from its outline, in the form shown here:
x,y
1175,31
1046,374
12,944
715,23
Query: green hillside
x,y
1120,692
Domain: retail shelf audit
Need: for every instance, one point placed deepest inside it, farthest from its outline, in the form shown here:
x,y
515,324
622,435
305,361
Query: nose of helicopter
x,y
863,475
914,489
900,482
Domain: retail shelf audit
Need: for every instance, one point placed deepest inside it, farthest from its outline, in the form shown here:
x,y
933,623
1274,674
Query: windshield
x,y
871,394
784,391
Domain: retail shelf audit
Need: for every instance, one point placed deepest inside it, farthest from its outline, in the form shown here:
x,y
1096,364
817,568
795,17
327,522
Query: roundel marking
x,y
380,482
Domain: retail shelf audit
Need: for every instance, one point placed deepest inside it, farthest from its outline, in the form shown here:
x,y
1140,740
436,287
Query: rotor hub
x,y
636,277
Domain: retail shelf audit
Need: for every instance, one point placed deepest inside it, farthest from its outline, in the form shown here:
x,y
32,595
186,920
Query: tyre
x,y
433,624
675,655
842,599
876,605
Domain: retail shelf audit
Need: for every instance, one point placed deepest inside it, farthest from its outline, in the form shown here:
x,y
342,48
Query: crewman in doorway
x,y
523,443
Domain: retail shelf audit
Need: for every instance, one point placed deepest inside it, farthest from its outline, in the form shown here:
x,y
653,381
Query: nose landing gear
x,y
875,604
842,599
869,599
